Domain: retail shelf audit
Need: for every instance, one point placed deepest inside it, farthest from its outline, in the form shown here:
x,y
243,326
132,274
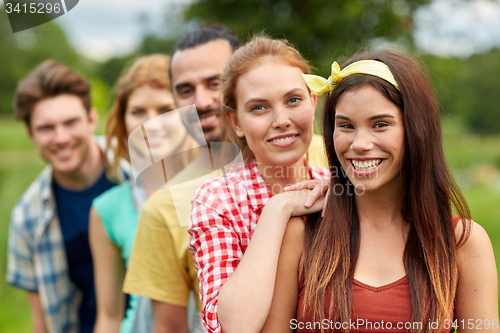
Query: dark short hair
x,y
205,34
49,79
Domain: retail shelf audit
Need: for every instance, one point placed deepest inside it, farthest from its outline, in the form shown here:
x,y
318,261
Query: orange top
x,y
374,309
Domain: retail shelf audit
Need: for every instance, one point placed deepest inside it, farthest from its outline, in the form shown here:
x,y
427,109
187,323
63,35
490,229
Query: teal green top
x,y
119,218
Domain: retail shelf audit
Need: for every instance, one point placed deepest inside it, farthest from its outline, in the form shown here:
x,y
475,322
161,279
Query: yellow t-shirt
x,y
160,266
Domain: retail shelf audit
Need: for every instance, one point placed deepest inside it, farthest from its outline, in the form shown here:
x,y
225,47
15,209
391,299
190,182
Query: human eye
x,y
185,92
345,125
380,125
294,100
257,108
165,110
71,122
44,129
138,112
215,84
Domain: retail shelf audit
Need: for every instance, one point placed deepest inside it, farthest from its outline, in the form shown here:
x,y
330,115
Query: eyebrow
x,y
379,116
293,91
260,100
255,100
208,79
213,77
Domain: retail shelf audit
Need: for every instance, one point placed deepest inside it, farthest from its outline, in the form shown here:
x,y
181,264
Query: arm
x,y
37,317
169,318
477,293
20,267
239,300
286,288
109,270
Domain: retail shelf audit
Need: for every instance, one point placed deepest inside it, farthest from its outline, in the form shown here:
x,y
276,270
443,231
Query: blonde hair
x,y
150,71
255,52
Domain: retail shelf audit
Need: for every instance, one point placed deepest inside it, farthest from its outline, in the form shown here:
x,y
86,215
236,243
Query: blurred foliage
x,y
23,51
322,31
111,69
469,89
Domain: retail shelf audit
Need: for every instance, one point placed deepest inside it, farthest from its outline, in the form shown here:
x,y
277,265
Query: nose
x,y
62,135
281,119
362,141
204,98
153,122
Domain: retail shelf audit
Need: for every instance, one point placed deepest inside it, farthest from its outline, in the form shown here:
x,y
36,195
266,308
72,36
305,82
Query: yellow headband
x,y
319,85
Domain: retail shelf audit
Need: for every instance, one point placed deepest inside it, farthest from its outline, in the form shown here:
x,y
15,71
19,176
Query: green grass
x,y
467,155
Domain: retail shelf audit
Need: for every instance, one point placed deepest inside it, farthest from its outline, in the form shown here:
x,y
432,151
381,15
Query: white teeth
x,y
64,151
281,140
366,165
203,120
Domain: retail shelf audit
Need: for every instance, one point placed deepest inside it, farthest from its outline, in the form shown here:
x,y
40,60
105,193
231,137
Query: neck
x,y
205,160
87,174
278,176
183,156
381,208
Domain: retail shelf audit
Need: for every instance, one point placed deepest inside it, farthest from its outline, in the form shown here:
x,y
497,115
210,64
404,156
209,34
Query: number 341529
x,y
33,8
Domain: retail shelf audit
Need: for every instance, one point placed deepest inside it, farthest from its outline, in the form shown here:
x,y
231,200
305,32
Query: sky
x,y
101,29
458,28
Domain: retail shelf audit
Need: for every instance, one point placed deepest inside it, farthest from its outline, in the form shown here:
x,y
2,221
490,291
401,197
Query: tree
x,y
322,31
23,51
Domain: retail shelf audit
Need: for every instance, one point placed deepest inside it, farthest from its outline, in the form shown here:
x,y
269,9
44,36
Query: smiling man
x,y
49,253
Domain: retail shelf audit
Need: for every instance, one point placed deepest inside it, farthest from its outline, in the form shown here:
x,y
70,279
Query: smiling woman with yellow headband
x,y
388,255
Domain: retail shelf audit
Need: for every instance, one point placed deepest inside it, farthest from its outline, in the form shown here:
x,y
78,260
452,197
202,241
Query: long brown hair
x,y
430,254
250,55
150,71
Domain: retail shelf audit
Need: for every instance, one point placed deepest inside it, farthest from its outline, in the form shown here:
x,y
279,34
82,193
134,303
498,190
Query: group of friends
x,y
362,226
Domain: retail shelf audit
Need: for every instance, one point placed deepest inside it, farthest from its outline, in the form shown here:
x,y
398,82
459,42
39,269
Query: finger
x,y
313,196
324,203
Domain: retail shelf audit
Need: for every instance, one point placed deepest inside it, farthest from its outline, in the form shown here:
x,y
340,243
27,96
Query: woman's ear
x,y
314,99
232,117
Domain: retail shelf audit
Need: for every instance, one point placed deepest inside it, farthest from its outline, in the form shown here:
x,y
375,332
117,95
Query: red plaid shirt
x,y
225,211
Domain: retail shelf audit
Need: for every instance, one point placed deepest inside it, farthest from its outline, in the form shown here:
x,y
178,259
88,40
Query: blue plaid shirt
x,y
37,258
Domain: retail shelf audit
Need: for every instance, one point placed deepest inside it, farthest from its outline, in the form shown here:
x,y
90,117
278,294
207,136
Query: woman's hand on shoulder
x,y
477,292
292,203
319,188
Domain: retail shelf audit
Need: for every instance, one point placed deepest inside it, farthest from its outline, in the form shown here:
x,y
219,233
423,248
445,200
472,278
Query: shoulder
x,y
476,252
477,239
113,195
219,185
319,173
31,205
116,199
124,167
158,204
